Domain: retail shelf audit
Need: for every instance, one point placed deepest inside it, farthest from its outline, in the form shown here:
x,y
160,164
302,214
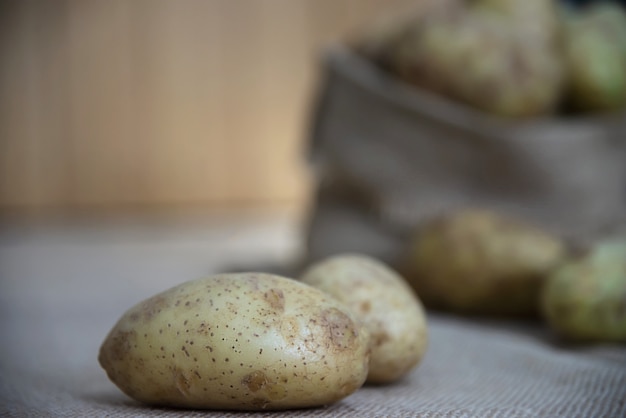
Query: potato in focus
x,y
248,341
385,303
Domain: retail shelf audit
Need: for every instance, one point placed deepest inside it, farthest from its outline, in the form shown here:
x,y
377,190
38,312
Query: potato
x,y
595,55
385,303
585,299
247,341
474,53
480,262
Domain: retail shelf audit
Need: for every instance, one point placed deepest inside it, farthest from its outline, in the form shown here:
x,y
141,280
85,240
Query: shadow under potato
x,y
123,403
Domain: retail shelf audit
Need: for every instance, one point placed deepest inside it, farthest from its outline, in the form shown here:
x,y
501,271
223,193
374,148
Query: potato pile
x,y
256,341
478,262
508,57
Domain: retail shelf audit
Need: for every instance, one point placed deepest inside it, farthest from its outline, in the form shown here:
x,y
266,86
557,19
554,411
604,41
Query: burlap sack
x,y
389,156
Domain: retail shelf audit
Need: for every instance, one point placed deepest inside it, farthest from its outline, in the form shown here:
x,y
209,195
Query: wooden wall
x,y
157,103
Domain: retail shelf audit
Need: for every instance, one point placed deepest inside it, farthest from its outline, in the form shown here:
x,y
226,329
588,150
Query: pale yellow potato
x,y
246,341
385,303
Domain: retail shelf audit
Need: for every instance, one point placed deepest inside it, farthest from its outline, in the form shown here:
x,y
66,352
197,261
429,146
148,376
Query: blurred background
x,y
205,110
161,106
145,107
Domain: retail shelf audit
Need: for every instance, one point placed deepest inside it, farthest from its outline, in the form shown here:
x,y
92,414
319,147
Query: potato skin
x,y
247,341
477,261
385,303
585,299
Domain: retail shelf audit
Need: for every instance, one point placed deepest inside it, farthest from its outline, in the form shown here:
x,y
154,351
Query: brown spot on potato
x,y
117,346
181,382
276,299
381,338
203,328
258,381
365,307
339,329
290,329
152,306
255,381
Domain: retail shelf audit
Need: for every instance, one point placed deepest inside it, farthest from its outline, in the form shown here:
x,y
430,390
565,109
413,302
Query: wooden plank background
x,y
157,103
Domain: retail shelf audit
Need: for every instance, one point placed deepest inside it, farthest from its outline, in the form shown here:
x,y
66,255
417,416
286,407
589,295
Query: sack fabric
x,y
389,156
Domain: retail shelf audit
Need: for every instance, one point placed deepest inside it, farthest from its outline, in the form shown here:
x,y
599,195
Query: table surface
x,y
63,286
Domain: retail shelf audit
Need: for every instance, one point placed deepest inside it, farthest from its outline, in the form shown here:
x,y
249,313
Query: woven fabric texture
x,y
61,290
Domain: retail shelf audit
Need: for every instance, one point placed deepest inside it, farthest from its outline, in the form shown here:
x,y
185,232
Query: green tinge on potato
x,y
246,341
385,303
585,299
479,262
595,55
